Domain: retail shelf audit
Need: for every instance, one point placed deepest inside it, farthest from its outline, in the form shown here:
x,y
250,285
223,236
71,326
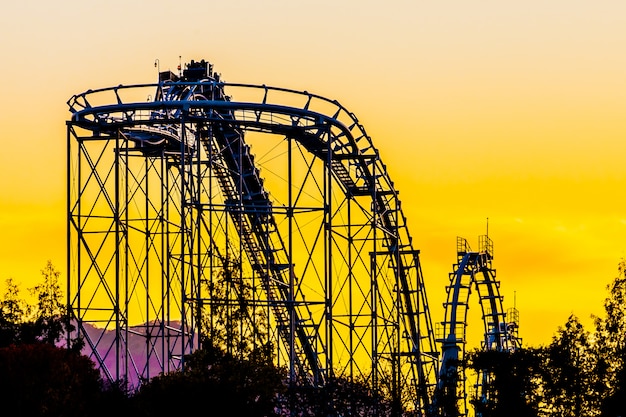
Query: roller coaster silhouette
x,y
173,234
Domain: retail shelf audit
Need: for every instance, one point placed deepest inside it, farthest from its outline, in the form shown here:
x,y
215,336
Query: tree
x,y
610,347
43,380
50,320
45,322
49,311
226,385
339,396
569,378
37,377
511,387
232,322
14,309
13,313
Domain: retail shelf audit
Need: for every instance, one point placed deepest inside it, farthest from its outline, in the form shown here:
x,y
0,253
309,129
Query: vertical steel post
x,y
290,301
374,285
116,219
184,235
68,214
164,254
328,250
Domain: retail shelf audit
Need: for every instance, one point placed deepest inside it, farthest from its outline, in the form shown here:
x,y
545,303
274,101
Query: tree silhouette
x,y
14,309
43,380
13,312
50,310
512,387
578,374
232,322
339,396
227,385
610,347
569,372
46,321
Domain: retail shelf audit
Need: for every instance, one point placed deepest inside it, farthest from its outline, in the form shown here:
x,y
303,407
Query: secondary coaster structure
x,y
204,210
473,270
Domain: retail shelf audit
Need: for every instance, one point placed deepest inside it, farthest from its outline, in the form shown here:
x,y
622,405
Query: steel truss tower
x,y
267,219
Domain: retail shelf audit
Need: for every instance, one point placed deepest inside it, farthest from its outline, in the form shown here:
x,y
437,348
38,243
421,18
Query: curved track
x,y
367,314
473,270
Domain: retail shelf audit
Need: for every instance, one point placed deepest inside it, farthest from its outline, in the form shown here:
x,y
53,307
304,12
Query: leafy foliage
x,y
230,322
610,347
338,397
226,385
578,374
570,382
43,380
511,382
47,321
13,311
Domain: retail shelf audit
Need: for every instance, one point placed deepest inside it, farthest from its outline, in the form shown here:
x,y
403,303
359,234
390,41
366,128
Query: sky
x,y
502,110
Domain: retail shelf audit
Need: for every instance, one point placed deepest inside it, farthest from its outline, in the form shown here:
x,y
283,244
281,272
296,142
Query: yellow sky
x,y
506,110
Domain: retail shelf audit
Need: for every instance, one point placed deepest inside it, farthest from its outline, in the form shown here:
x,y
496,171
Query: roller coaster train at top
x,y
174,238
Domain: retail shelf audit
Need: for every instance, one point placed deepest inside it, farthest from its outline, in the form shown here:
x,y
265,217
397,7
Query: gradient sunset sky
x,y
507,110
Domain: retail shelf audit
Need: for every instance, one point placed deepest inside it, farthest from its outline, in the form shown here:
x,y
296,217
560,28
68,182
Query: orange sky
x,y
506,110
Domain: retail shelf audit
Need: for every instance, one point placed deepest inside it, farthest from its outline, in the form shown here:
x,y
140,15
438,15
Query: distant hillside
x,y
138,337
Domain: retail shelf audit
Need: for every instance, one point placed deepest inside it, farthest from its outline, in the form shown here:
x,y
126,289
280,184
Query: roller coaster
x,y
271,219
